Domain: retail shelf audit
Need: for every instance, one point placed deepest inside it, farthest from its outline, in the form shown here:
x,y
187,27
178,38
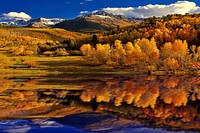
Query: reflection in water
x,y
145,92
155,101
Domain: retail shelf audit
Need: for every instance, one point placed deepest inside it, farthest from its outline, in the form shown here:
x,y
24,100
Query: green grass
x,y
74,65
57,65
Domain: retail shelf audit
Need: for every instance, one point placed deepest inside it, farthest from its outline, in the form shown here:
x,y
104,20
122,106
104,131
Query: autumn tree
x,y
149,47
129,48
98,55
118,54
171,64
101,54
86,49
177,52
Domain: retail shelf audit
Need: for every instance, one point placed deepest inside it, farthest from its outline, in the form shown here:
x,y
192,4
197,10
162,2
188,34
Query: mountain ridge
x,y
22,22
96,22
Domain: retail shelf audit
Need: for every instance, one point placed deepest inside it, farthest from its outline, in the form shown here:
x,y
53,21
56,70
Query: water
x,y
121,104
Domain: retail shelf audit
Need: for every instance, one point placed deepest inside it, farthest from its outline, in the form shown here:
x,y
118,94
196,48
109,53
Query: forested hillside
x,y
158,43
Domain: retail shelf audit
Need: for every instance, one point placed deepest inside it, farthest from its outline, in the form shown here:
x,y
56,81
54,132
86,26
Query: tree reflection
x,y
170,100
162,100
144,93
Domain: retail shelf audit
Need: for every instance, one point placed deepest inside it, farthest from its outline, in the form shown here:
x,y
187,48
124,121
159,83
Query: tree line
x,y
144,55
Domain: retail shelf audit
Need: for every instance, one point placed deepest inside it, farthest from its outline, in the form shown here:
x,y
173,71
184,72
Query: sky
x,y
69,9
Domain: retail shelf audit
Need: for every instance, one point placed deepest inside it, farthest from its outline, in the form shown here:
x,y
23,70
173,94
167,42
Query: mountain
x,y
42,21
89,23
96,22
37,25
46,21
13,22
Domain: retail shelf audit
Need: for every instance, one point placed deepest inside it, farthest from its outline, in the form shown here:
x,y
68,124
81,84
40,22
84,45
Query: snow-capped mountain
x,y
13,22
96,22
23,22
103,14
46,21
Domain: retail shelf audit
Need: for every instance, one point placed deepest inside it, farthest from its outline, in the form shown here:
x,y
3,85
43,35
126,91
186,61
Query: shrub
x,y
86,49
61,52
75,53
27,52
31,64
48,53
24,50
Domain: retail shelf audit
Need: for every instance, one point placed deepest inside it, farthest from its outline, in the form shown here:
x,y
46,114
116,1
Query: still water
x,y
111,104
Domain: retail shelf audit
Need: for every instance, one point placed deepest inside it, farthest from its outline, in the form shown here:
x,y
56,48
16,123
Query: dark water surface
x,y
111,104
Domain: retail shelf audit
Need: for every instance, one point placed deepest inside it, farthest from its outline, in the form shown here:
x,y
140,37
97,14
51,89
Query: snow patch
x,y
102,16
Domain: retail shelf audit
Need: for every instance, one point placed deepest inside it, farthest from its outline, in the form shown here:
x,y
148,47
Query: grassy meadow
x,y
57,65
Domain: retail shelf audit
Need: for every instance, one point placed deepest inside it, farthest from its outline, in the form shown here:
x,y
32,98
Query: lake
x,y
111,104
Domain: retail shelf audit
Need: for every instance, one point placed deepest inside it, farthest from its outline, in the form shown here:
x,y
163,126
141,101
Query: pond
x,y
75,103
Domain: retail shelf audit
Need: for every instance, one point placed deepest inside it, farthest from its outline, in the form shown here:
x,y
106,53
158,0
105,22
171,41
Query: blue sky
x,y
72,8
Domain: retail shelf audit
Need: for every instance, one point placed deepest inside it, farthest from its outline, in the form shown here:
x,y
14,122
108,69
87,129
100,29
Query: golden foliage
x,y
61,52
86,49
31,64
171,64
48,53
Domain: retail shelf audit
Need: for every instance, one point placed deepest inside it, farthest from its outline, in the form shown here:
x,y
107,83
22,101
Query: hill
x,y
13,36
163,29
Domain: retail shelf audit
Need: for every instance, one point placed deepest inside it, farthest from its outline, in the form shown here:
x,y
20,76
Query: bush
x,y
86,49
48,53
75,53
23,50
31,64
27,52
61,52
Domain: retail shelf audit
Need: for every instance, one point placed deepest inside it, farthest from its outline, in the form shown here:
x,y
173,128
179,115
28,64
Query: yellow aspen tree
x,y
118,54
102,53
86,49
166,51
171,64
129,48
180,52
149,47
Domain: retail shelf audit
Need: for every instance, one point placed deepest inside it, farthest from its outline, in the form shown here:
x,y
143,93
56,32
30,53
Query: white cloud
x,y
180,7
82,3
88,0
83,12
15,16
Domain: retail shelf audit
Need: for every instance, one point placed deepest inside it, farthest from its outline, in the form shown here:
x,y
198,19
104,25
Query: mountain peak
x,y
104,14
101,12
95,22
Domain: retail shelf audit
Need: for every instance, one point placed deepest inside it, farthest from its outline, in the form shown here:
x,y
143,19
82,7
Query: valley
x,y
100,72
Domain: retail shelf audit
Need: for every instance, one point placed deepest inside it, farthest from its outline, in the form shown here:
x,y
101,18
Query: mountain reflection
x,y
158,101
